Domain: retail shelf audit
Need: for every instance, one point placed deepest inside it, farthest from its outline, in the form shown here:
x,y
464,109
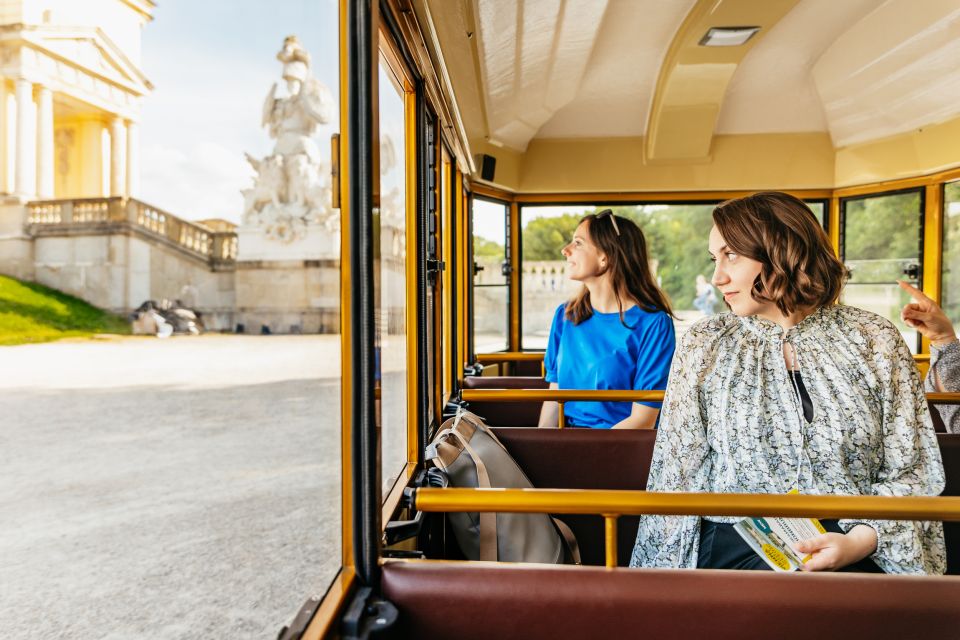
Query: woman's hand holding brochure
x,y
832,551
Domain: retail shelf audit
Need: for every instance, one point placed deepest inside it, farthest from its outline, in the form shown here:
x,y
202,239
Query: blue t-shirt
x,y
601,353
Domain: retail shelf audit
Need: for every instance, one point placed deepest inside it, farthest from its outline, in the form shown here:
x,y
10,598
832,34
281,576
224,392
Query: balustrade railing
x,y
213,246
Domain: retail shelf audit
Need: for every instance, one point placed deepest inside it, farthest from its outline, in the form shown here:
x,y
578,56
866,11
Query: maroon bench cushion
x,y
485,600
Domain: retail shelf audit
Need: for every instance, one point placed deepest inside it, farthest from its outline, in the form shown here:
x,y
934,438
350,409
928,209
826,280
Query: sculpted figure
x,y
292,186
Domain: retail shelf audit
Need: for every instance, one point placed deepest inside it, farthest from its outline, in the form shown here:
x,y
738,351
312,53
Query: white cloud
x,y
203,182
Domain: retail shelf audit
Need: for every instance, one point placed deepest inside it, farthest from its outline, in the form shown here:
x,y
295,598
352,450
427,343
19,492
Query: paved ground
x,y
182,488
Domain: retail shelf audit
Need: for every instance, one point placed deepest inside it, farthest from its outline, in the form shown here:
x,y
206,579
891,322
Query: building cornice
x,y
126,76
143,7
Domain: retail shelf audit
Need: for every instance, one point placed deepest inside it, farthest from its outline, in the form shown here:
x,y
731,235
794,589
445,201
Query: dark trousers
x,y
722,548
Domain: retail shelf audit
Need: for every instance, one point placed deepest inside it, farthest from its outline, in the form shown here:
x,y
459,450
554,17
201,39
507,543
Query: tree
x,y
484,248
543,238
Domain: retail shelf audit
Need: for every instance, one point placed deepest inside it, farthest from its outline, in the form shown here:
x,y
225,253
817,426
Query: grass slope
x,y
30,312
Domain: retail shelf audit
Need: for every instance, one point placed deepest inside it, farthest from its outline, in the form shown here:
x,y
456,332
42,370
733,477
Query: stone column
x,y
26,168
45,144
118,157
133,159
7,136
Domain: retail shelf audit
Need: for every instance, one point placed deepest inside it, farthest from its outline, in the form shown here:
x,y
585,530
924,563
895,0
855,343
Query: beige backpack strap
x,y
488,520
569,538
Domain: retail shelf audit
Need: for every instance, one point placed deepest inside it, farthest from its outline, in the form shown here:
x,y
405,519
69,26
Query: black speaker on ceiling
x,y
488,167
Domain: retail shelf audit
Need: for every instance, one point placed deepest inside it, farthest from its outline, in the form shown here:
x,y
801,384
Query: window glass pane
x,y
881,245
951,251
490,297
186,486
446,276
545,230
489,330
818,207
677,237
390,254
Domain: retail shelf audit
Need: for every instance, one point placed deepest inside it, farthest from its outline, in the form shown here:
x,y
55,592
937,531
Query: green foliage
x,y
676,240
882,228
951,254
30,312
483,248
544,237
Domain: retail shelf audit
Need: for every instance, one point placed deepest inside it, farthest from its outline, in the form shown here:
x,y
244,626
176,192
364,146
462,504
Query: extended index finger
x,y
915,293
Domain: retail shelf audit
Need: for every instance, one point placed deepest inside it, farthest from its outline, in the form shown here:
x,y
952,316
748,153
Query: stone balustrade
x,y
99,214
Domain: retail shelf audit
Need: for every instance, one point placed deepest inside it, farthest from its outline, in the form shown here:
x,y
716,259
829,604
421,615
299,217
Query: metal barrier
x,y
613,504
561,396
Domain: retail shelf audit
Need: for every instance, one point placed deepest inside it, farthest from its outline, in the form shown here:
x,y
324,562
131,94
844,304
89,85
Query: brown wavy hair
x,y
800,269
627,263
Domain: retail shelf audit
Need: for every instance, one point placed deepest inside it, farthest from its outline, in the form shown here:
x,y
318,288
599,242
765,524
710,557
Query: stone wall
x,y
289,296
120,271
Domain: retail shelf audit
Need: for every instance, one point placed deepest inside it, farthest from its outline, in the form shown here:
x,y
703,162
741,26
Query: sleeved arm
x,y
945,363
910,464
657,345
553,346
681,462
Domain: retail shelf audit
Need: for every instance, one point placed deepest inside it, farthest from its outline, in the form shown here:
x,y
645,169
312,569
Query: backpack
x,y
468,452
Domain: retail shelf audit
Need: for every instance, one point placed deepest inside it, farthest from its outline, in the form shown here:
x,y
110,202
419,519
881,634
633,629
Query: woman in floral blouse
x,y
791,391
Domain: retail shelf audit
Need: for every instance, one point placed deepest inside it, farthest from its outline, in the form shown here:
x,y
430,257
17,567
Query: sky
x,y
212,64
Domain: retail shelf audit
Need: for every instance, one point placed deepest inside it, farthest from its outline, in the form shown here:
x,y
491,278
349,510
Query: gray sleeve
x,y
945,361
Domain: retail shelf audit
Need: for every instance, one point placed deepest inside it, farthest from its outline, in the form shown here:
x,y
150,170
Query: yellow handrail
x,y
608,395
611,504
536,356
509,356
560,396
587,501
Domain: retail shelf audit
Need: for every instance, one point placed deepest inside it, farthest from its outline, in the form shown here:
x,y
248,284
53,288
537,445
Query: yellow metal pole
x,y
561,418
610,537
346,321
561,395
833,225
607,395
514,227
582,501
932,247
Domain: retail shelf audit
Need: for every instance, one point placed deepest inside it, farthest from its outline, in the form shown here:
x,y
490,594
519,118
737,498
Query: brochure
x,y
773,539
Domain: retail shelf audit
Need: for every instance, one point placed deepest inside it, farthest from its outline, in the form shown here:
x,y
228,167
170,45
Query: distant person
x,y
926,316
706,298
616,332
791,392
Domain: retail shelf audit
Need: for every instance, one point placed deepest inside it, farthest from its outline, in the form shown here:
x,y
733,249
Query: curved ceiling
x,y
860,70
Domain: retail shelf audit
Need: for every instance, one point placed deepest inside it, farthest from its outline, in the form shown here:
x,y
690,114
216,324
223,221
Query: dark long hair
x,y
800,269
627,263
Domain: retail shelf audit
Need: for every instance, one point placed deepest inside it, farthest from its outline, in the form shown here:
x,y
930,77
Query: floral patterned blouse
x,y
945,361
732,423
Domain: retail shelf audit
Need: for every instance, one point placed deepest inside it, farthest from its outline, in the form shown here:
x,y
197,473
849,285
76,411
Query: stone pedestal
x,y
288,296
317,243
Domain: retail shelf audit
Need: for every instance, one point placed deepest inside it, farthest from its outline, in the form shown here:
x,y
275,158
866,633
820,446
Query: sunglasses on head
x,y
608,213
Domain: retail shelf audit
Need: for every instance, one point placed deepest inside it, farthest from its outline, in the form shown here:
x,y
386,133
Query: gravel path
x,y
182,488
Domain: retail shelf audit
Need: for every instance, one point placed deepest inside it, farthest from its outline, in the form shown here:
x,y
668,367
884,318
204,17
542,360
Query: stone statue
x,y
292,187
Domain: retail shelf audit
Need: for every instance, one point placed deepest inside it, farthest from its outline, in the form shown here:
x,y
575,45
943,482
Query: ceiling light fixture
x,y
727,36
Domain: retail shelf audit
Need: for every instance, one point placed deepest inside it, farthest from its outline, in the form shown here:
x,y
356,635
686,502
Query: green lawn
x,y
30,312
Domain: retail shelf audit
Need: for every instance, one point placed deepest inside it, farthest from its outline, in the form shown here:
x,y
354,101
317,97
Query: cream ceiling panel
x,y
532,58
896,70
614,96
773,89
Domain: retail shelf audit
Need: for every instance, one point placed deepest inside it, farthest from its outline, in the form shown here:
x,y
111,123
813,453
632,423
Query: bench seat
x,y
490,600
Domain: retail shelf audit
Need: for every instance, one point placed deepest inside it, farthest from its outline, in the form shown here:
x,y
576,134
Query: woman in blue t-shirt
x,y
616,333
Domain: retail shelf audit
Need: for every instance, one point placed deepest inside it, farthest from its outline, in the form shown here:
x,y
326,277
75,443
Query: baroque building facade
x,y
71,88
